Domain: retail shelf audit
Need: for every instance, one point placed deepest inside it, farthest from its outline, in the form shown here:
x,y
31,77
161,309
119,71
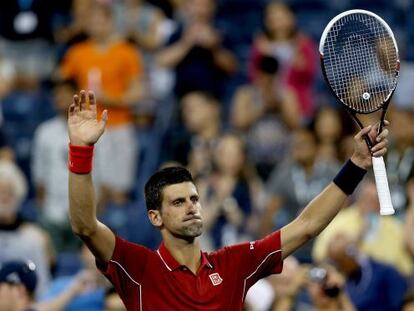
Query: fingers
x,y
92,100
361,133
83,100
75,103
104,118
382,135
380,148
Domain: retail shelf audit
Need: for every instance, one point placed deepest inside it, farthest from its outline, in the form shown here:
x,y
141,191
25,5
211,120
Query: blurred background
x,y
230,89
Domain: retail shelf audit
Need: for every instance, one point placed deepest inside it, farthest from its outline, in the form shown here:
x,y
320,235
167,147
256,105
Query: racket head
x,y
360,60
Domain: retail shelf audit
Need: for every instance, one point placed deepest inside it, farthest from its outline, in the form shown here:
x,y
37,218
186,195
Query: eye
x,y
178,202
195,199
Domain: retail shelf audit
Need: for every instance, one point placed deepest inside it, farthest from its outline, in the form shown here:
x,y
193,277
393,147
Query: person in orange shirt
x,y
112,68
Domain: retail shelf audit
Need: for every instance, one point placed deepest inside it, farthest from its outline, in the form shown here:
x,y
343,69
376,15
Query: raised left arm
x,y
325,206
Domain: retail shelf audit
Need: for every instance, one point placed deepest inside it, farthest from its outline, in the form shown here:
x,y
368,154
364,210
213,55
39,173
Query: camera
x,y
319,275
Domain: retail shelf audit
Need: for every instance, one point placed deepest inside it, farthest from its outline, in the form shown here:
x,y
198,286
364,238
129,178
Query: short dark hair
x,y
161,179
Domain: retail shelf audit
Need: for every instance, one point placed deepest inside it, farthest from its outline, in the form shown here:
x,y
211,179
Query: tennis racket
x,y
360,63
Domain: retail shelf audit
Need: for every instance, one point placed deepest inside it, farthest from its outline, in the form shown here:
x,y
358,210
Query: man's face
x,y
197,112
181,210
8,203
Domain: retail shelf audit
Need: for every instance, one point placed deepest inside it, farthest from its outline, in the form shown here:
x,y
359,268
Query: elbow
x,y
310,230
83,230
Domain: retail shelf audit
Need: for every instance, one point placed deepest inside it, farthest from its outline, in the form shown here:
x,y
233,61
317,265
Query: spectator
x,y
26,37
193,143
75,30
141,22
83,291
197,53
49,170
112,68
327,291
20,240
230,194
7,81
294,183
264,112
146,26
329,130
381,238
294,51
400,159
18,282
325,286
409,218
371,285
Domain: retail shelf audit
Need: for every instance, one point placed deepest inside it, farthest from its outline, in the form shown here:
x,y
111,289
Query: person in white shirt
x,y
49,169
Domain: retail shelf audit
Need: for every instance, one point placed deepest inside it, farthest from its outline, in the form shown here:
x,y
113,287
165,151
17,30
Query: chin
x,y
193,231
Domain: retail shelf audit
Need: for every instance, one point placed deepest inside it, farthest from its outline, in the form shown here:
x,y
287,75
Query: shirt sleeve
x,y
257,259
126,267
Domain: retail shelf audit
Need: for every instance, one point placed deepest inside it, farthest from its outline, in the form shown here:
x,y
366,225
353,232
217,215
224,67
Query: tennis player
x,y
179,276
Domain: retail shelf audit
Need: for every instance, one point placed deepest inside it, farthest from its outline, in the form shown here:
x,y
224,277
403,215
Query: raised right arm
x,y
85,130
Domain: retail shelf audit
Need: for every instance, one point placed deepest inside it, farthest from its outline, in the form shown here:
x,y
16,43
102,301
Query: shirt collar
x,y
172,264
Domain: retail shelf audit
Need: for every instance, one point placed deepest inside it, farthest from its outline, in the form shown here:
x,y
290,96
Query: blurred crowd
x,y
230,89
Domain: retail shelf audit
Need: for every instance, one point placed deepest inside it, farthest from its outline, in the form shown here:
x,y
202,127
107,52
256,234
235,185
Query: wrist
x,y
80,159
349,177
358,162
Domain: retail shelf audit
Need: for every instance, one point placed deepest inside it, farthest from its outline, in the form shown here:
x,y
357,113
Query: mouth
x,y
192,218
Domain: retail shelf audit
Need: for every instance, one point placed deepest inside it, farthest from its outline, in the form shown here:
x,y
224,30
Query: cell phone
x,y
319,275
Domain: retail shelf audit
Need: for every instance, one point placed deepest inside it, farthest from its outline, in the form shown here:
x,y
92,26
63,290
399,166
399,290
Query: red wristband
x,y
80,159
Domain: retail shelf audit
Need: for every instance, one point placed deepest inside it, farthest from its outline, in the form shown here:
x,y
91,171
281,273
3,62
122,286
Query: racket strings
x,y
360,61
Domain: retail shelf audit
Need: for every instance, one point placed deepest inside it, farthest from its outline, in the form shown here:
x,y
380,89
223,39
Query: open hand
x,y
84,128
362,156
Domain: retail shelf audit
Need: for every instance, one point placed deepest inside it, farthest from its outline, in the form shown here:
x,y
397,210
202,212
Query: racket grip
x,y
383,190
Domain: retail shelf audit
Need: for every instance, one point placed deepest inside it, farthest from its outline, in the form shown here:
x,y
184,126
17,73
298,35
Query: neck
x,y
186,252
104,42
210,131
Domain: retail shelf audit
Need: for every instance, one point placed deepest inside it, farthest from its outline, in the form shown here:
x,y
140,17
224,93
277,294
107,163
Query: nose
x,y
191,207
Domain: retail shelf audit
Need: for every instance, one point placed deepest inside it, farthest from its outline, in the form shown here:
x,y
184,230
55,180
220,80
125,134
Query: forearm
x,y
322,209
172,55
82,204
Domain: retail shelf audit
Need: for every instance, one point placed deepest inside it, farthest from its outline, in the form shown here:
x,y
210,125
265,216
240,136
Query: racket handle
x,y
383,190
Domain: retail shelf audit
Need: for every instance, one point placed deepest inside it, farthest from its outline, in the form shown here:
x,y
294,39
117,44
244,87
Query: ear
x,y
155,218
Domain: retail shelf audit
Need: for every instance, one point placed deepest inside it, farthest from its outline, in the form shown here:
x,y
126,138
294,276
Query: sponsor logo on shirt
x,y
215,279
251,245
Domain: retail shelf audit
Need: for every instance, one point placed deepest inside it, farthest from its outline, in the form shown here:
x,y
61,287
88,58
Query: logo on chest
x,y
215,279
